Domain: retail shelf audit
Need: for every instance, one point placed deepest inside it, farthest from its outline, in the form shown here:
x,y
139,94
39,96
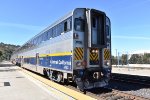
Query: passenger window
x,y
79,24
94,22
65,26
50,34
59,29
45,36
54,32
68,24
40,38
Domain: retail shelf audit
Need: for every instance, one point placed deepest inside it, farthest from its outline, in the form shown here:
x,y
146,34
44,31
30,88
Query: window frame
x,y
82,29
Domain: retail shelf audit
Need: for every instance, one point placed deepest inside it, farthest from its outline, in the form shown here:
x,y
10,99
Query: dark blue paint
x,y
57,62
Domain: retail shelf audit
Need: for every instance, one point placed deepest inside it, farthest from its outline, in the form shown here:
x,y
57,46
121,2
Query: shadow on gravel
x,y
100,90
126,86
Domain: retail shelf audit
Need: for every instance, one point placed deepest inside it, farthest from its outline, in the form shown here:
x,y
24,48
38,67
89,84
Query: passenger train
x,y
76,48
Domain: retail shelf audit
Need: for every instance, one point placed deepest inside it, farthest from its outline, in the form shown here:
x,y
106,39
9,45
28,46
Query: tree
x,y
124,59
1,53
146,58
114,60
136,59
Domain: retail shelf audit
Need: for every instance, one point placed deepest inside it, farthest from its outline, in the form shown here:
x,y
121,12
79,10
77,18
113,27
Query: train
x,y
74,49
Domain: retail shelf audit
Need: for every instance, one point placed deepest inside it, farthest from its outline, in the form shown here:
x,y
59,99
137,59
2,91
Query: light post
x,y
116,57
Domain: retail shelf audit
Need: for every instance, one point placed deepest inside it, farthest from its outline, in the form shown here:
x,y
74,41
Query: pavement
x,y
16,85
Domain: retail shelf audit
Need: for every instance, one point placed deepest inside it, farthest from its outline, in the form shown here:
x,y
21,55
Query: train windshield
x,y
107,26
79,24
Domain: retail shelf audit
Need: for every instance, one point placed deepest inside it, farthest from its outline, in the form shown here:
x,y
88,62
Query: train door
x,y
37,60
96,38
94,52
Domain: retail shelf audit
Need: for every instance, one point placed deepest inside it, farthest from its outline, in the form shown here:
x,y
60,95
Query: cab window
x,y
79,24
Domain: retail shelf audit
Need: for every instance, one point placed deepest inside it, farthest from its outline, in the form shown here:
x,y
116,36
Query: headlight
x,y
107,63
93,51
96,51
81,64
78,64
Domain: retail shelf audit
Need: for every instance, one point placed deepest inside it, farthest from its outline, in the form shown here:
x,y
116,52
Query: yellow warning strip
x,y
70,92
78,52
93,57
106,54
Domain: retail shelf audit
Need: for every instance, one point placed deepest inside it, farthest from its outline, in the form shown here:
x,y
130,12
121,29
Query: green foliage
x,y
1,53
114,60
124,59
135,59
140,58
146,58
6,51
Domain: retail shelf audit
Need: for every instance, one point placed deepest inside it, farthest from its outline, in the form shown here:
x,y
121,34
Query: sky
x,y
20,20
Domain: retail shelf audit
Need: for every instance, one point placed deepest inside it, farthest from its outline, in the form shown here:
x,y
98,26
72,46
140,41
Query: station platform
x,y
131,71
16,85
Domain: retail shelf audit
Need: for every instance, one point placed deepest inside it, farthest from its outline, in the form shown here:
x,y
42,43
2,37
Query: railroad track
x,y
143,80
109,94
102,93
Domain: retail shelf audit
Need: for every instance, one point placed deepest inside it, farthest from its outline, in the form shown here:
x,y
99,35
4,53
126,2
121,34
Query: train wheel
x,y
44,72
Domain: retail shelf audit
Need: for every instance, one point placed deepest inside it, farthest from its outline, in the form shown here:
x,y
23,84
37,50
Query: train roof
x,y
52,25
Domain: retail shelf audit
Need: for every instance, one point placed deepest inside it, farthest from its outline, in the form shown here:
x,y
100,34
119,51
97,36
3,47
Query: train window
x,y
93,22
50,34
37,40
79,24
65,26
107,26
40,39
59,29
69,24
33,42
45,36
54,31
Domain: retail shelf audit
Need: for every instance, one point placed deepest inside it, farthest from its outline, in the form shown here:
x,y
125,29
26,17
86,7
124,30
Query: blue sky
x,y
130,19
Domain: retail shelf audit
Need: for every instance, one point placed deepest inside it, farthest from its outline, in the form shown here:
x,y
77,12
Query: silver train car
x,y
76,48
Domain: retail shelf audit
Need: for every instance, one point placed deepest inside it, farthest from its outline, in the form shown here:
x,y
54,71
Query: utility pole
x,y
116,57
128,61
